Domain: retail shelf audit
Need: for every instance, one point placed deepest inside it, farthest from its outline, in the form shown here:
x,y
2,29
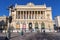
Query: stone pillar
x,y
21,25
26,14
31,14
33,26
27,26
44,14
39,26
34,14
40,14
16,14
37,14
20,28
23,14
20,14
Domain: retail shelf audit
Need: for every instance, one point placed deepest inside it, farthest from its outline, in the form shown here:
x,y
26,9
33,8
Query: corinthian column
x,y
31,14
37,14
34,14
23,14
20,14
26,14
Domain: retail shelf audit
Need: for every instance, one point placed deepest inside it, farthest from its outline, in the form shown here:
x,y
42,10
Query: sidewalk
x,y
2,34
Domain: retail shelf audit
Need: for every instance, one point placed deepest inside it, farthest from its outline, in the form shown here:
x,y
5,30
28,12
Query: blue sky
x,y
55,4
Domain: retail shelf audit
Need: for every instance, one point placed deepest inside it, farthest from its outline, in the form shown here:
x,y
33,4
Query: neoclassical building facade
x,y
31,16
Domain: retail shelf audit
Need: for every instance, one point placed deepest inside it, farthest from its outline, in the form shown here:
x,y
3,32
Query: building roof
x,y
30,5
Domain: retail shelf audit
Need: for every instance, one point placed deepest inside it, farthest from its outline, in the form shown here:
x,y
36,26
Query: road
x,y
32,36
2,36
37,36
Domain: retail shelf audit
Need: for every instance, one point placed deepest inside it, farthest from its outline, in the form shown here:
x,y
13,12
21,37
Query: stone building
x,y
31,16
3,18
57,21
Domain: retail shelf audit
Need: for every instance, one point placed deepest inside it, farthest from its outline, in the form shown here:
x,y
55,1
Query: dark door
x,y
30,26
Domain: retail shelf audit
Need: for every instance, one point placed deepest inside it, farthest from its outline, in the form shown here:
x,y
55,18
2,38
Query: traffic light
x,y
10,19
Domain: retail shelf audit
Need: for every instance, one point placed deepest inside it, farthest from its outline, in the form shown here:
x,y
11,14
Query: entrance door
x,y
36,26
42,26
30,26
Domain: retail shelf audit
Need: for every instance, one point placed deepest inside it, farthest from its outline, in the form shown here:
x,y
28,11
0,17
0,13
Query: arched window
x,y
30,25
42,25
36,25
